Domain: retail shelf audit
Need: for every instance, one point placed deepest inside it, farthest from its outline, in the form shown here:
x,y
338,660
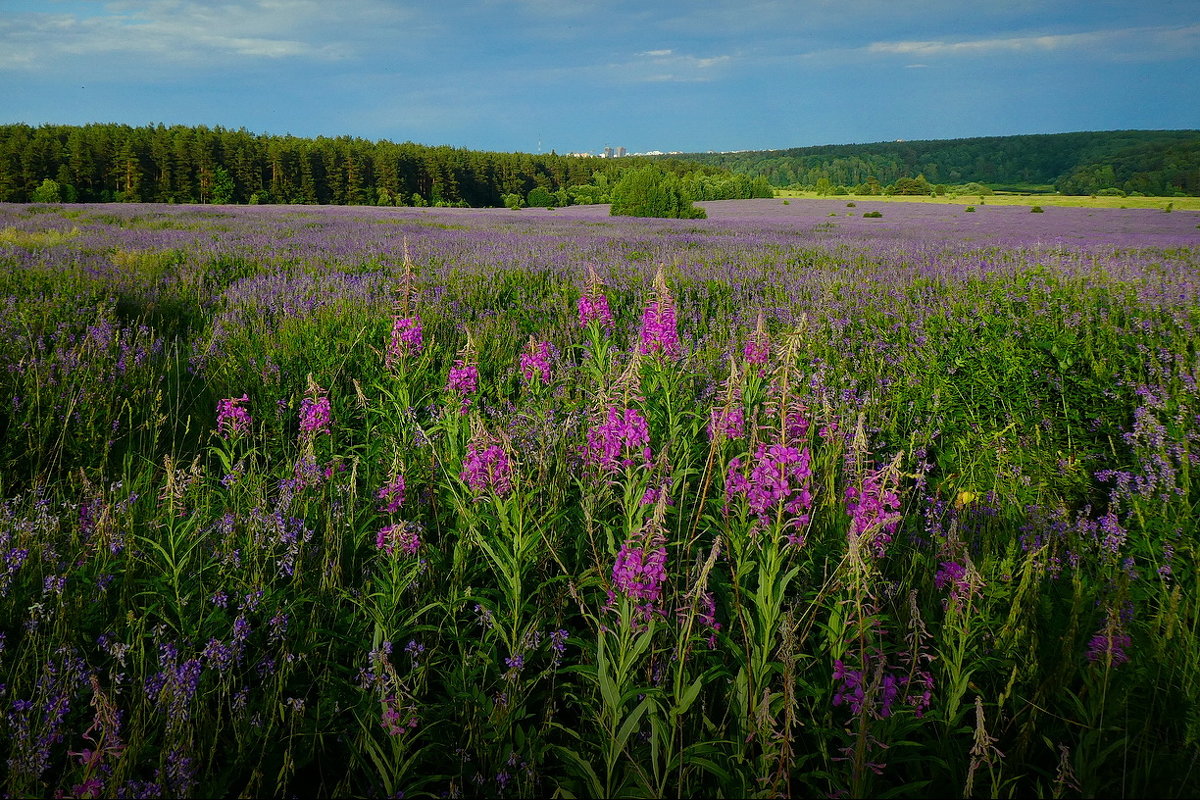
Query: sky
x,y
576,75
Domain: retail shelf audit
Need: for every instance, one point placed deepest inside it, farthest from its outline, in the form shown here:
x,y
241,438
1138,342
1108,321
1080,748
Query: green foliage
x,y
539,197
650,192
1152,162
513,201
873,214
48,192
1037,210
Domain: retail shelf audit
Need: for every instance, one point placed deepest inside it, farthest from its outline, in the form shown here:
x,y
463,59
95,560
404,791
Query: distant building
x,y
620,152
608,152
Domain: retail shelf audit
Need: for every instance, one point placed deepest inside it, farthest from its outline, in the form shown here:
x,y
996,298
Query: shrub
x,y
873,214
540,198
851,205
650,192
1037,210
969,209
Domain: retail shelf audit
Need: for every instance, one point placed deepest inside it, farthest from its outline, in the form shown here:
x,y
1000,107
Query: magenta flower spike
x,y
232,419
659,333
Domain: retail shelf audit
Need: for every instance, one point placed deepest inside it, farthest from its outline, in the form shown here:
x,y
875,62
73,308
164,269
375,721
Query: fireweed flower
x,y
593,305
620,441
392,495
727,423
595,309
487,469
402,536
638,575
779,479
406,340
757,349
659,333
232,419
874,510
463,379
315,414
1109,644
535,362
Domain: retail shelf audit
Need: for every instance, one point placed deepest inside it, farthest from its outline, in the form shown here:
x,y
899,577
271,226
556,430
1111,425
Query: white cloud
x,y
659,66
162,34
1150,42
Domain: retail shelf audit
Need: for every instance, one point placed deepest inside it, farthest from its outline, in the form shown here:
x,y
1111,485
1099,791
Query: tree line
x,y
1147,162
198,164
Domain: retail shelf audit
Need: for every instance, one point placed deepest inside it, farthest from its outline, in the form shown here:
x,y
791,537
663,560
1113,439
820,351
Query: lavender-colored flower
x,y
621,441
406,340
487,469
232,419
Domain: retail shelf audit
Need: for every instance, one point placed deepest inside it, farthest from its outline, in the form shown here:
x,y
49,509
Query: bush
x,y
650,192
48,192
873,214
851,205
540,198
969,209
1038,210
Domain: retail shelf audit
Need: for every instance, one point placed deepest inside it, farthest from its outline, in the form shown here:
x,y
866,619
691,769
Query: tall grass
x,y
833,521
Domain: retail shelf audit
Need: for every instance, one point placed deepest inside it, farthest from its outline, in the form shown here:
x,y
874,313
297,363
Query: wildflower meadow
x,y
795,500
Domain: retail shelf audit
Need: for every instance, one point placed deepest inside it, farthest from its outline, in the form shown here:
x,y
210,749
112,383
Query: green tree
x,y
48,192
540,198
650,192
223,188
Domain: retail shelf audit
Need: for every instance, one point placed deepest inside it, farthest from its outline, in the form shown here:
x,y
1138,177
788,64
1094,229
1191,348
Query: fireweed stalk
x,y
462,383
596,320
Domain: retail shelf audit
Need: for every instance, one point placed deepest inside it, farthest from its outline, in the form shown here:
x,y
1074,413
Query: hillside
x,y
1150,162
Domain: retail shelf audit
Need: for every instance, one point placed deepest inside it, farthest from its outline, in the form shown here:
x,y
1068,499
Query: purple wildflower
x,y
659,333
402,536
392,494
535,362
315,414
618,442
464,378
487,469
780,479
640,571
406,340
874,511
593,305
232,419
594,308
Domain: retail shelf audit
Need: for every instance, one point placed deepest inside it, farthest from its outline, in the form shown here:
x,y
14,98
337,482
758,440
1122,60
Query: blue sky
x,y
576,75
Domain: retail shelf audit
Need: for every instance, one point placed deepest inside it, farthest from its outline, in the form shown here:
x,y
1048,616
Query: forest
x,y
1160,163
199,164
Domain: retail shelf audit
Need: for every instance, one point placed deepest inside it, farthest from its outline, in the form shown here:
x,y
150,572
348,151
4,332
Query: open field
x,y
1004,199
789,501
